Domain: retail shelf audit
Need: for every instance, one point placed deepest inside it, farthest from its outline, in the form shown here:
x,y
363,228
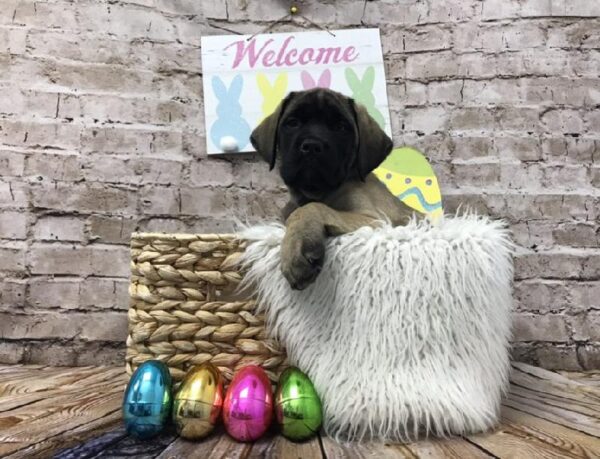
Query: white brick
x,y
12,256
585,295
130,110
569,177
115,230
558,357
13,193
41,166
500,9
399,13
111,50
162,200
272,10
36,134
184,7
132,141
426,120
104,326
12,163
522,148
536,8
549,327
563,121
45,14
58,229
492,92
12,41
445,92
586,326
431,65
86,197
54,293
415,93
428,38
450,11
98,260
467,147
203,202
13,225
521,176
12,293
101,293
578,34
126,21
128,170
211,173
580,8
257,176
33,103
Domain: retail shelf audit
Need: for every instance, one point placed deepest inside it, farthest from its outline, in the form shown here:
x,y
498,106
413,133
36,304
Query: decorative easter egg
x,y
147,399
409,176
248,405
229,144
198,402
297,405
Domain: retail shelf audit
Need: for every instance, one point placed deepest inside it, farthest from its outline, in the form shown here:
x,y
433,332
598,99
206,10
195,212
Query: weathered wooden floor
x,y
75,413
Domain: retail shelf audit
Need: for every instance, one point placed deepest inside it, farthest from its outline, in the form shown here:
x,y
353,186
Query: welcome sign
x,y
245,78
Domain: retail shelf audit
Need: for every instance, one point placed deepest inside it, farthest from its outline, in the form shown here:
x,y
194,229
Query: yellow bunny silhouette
x,y
272,95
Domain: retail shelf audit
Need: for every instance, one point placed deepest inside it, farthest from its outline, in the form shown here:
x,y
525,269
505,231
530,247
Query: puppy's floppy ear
x,y
264,136
373,143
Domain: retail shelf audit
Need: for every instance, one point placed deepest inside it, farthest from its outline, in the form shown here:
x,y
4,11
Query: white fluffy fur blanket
x,y
406,330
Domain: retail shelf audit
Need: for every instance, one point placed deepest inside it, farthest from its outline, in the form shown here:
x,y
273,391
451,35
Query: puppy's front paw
x,y
301,260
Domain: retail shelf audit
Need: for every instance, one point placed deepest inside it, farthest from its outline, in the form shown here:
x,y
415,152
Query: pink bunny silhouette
x,y
308,81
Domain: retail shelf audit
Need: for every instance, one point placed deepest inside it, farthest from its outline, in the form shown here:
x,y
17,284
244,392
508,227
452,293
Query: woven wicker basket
x,y
184,311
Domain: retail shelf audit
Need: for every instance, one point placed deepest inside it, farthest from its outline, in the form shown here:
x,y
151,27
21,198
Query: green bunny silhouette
x,y
362,92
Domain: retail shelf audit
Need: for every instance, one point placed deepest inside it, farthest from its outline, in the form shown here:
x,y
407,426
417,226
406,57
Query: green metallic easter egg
x,y
297,405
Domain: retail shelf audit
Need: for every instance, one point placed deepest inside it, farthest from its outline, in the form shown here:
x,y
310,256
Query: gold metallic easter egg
x,y
198,402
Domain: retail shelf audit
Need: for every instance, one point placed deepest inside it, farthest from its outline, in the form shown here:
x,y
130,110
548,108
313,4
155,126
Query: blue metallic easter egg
x,y
147,400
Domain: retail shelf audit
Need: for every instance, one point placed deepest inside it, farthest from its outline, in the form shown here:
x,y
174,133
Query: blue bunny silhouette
x,y
229,120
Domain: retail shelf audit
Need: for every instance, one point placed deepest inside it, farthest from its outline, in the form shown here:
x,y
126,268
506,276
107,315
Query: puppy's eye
x,y
292,123
341,126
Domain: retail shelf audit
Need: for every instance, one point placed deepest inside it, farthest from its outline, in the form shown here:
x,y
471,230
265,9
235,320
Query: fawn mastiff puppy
x,y
326,146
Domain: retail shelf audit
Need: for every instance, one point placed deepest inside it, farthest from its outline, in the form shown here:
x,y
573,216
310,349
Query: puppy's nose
x,y
311,147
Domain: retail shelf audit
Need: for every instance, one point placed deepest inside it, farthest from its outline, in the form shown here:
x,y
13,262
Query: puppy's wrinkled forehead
x,y
318,103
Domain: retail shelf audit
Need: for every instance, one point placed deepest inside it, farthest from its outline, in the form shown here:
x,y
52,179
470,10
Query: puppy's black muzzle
x,y
311,147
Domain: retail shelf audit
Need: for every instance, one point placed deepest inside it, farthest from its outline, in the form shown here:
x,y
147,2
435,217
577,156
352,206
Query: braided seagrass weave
x,y
183,310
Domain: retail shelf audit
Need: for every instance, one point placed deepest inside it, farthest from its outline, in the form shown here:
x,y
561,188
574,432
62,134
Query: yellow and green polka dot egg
x,y
409,176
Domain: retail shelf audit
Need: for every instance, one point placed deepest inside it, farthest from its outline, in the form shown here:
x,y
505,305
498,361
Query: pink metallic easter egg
x,y
248,405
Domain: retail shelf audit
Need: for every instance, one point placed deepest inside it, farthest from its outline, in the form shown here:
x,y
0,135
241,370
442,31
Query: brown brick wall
x,y
101,134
